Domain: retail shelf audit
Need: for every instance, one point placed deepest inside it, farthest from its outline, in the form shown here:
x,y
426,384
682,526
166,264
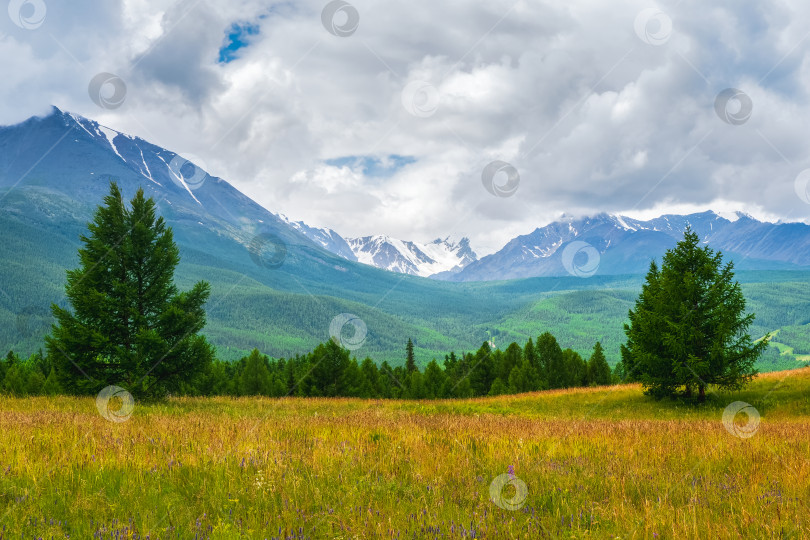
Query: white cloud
x,y
593,118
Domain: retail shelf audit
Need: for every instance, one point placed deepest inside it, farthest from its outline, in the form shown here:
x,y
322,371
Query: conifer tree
x,y
434,380
352,379
523,378
15,381
482,370
540,375
498,388
410,361
689,329
370,383
6,363
255,379
34,382
388,384
598,368
129,325
512,358
51,387
328,362
551,361
416,386
575,371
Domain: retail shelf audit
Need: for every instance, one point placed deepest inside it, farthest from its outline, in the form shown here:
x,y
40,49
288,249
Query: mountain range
x,y
612,244
278,284
437,258
273,287
607,244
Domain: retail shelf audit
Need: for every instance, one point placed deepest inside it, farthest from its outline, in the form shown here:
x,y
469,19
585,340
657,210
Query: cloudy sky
x,y
384,117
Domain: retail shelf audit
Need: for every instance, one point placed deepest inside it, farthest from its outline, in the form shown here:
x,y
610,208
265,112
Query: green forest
x,y
331,371
486,372
125,321
281,316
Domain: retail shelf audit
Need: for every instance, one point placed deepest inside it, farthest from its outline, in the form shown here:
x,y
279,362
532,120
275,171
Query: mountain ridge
x,y
273,287
441,256
623,245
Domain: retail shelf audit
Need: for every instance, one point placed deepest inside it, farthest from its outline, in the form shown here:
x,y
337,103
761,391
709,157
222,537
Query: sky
x,y
426,119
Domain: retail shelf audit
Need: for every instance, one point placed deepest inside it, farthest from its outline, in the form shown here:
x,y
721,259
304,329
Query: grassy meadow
x,y
597,463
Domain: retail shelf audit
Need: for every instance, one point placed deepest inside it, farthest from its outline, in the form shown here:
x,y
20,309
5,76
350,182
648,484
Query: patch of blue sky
x,y
238,37
372,166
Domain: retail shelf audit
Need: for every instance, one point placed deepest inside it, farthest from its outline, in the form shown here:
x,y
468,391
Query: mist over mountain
x,y
606,244
278,284
441,256
273,286
612,244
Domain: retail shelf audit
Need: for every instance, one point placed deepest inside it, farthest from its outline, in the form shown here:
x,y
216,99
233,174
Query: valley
x,y
286,309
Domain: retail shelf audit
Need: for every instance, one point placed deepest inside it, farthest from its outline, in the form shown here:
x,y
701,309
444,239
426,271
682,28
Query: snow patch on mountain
x,y
147,173
110,134
324,237
441,256
178,178
626,246
623,223
406,257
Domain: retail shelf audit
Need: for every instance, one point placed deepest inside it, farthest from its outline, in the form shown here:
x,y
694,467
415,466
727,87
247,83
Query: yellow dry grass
x,y
597,463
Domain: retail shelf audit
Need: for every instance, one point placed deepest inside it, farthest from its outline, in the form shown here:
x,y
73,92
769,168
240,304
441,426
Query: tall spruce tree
x,y
129,325
551,361
511,359
328,364
689,329
539,376
255,379
575,369
435,380
370,384
410,361
482,370
598,368
51,386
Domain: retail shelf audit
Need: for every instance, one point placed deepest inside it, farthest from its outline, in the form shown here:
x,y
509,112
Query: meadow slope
x,y
597,463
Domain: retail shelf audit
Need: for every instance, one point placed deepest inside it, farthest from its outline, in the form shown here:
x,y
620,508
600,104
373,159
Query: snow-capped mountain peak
x,y
617,244
622,221
441,256
406,257
324,237
160,166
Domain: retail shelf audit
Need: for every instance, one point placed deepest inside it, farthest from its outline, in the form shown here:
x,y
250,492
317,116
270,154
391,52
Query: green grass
x,y
597,463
